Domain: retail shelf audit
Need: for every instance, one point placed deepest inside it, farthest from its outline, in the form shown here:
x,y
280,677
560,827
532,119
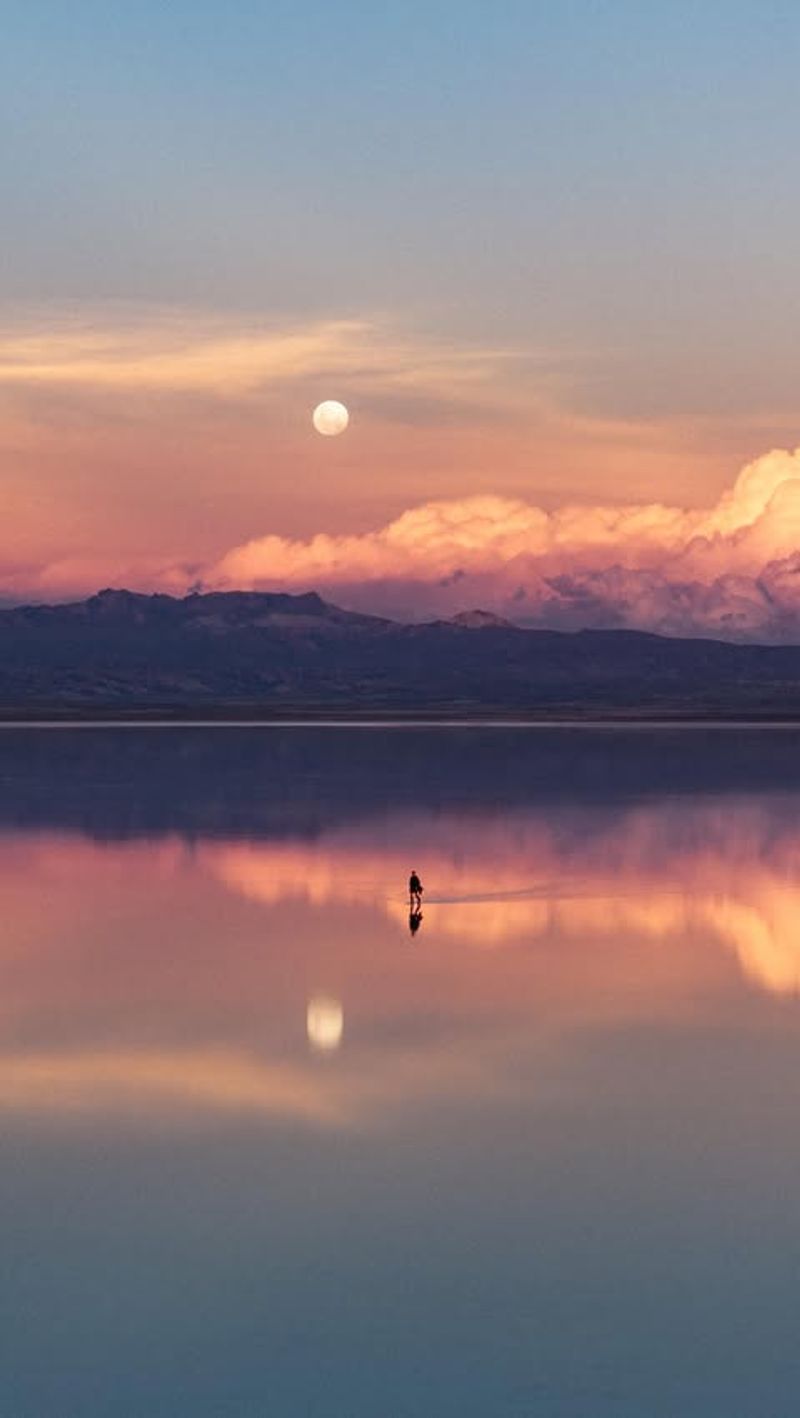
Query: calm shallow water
x,y
268,1153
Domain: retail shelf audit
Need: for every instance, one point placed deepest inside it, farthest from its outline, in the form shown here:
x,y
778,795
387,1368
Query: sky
x,y
545,253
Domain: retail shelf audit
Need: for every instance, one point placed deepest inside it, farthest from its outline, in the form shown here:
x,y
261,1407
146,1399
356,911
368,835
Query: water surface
x,y
267,1151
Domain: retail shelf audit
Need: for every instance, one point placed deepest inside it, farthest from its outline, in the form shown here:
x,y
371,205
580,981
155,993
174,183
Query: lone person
x,y
415,890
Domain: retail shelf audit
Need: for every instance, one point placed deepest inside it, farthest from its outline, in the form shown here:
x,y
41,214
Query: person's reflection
x,y
414,919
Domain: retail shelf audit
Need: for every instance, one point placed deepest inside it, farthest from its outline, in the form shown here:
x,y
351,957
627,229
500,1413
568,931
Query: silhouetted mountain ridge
x,y
482,620
271,654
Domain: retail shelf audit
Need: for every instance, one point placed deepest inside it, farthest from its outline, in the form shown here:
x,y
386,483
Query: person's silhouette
x,y
415,890
414,919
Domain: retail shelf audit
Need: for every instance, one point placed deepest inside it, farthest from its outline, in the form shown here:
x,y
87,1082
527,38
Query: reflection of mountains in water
x,y
273,782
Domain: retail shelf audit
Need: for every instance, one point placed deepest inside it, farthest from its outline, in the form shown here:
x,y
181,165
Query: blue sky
x,y
537,170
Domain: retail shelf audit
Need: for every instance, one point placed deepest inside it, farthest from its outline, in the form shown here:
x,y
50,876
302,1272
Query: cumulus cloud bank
x,y
732,570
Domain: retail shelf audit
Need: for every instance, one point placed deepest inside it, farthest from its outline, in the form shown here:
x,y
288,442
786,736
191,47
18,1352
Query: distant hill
x,y
481,620
273,655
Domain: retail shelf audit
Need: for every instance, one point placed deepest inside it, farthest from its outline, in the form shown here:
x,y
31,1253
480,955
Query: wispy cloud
x,y
170,352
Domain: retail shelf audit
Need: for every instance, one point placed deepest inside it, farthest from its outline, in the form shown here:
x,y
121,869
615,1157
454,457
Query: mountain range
x,y
269,655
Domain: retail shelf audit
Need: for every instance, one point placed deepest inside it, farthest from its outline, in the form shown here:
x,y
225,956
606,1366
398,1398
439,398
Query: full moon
x,y
330,418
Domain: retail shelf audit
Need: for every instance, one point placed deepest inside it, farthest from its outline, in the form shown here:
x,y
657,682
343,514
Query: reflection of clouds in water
x,y
190,1083
764,933
200,1080
275,872
657,889
652,871
495,922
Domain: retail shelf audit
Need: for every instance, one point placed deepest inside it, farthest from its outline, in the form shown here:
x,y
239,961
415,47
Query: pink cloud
x,y
731,570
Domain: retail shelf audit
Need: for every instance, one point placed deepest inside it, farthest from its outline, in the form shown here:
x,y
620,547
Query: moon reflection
x,y
324,1023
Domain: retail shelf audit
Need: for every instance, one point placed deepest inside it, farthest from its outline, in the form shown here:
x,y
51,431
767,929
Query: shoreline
x,y
586,721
